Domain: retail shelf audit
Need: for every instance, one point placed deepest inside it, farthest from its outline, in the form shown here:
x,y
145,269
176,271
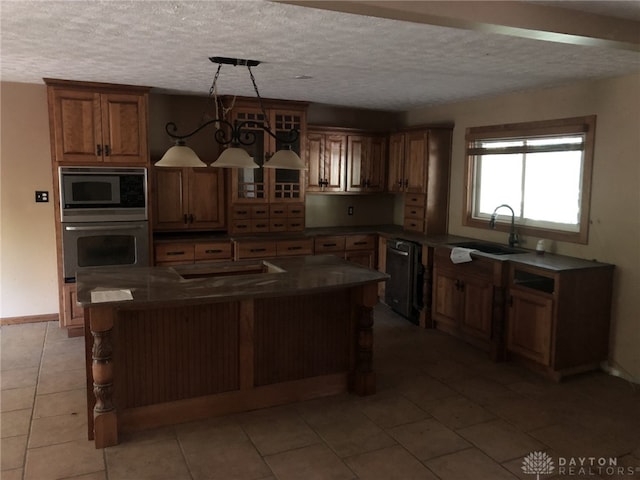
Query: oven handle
x,y
399,252
97,228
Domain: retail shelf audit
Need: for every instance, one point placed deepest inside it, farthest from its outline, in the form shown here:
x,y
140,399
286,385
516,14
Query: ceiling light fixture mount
x,y
234,136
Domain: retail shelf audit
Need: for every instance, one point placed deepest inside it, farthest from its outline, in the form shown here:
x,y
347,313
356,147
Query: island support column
x,y
105,422
364,380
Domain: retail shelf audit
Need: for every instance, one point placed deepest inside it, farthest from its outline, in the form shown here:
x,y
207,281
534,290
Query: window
x,y
542,170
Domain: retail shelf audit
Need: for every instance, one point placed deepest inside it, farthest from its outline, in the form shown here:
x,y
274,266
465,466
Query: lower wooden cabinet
x,y
467,299
245,249
360,249
559,320
183,253
72,313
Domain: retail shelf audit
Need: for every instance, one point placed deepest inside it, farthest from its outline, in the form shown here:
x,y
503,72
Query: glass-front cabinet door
x,y
260,185
287,185
250,184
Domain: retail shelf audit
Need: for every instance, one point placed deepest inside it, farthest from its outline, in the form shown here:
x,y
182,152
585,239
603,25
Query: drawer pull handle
x,y
261,225
261,212
360,243
329,244
175,253
258,250
278,211
213,251
278,224
296,224
241,212
294,248
242,226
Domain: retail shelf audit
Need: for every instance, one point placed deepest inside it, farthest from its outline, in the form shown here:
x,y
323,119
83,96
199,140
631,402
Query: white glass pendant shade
x,y
235,157
287,159
180,156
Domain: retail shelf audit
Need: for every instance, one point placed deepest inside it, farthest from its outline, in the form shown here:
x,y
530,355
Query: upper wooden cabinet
x,y
419,162
94,123
345,160
260,185
326,156
188,199
366,163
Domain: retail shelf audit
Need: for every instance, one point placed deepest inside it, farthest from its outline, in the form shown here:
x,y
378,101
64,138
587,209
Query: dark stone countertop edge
x,y
166,285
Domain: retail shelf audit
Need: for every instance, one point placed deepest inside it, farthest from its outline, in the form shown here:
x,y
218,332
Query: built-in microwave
x,y
103,194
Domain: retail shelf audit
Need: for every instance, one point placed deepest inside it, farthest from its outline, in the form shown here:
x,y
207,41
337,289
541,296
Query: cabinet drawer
x,y
255,250
261,211
277,211
174,252
414,199
416,213
213,251
295,210
259,226
240,212
295,247
295,224
360,242
278,225
240,226
413,224
334,243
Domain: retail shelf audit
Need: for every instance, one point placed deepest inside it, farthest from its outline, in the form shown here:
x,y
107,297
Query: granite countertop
x,y
548,261
225,281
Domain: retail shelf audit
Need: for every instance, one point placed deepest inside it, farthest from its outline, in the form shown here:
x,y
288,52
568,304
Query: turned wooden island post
x,y
205,340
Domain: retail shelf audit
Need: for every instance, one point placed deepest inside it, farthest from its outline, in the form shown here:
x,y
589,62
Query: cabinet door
x,y
529,326
446,299
249,185
315,161
366,258
287,185
170,205
376,164
77,126
415,174
357,152
478,306
395,179
206,198
72,313
335,158
124,128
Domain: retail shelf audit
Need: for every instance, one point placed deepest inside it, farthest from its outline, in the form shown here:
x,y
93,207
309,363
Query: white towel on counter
x,y
461,255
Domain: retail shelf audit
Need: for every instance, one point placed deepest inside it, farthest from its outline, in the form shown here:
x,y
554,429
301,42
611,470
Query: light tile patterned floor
x,y
442,411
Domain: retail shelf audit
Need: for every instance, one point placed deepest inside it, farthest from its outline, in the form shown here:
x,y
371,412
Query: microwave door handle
x,y
98,228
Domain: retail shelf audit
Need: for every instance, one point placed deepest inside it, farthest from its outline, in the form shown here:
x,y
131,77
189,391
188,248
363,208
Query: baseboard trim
x,y
49,317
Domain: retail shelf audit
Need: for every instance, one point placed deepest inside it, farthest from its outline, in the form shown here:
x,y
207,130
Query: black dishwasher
x,y
403,292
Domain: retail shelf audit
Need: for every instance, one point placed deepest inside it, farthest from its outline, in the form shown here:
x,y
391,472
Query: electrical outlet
x,y
350,210
42,196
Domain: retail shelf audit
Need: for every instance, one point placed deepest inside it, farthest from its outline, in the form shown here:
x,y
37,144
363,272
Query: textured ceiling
x,y
353,60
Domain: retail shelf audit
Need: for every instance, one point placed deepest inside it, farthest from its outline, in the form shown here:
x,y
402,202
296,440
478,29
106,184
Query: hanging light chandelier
x,y
233,136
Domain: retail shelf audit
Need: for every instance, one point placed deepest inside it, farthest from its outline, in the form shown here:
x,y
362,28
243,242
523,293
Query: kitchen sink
x,y
491,248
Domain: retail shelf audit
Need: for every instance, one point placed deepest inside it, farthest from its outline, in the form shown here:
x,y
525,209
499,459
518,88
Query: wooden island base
x,y
157,364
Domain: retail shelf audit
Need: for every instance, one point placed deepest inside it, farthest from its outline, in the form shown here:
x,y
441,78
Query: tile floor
x,y
442,411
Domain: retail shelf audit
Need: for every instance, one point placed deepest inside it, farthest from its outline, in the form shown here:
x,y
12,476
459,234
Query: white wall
x,y
28,278
614,234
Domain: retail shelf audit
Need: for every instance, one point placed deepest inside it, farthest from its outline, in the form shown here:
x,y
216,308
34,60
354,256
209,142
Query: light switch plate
x,y
42,196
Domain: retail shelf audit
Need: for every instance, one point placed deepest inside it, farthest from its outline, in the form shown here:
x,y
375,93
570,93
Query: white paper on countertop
x,y
461,255
101,294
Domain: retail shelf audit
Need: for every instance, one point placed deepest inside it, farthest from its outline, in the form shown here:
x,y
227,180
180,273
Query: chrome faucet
x,y
513,236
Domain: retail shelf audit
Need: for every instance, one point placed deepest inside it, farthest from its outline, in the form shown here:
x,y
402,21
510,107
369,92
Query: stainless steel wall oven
x,y
104,218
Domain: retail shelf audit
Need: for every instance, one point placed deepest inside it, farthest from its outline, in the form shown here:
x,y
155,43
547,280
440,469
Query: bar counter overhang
x,y
201,340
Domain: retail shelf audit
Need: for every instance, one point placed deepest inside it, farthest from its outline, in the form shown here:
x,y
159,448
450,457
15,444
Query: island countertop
x,y
224,281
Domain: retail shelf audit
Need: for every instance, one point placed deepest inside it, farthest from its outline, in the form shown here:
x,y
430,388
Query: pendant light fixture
x,y
233,136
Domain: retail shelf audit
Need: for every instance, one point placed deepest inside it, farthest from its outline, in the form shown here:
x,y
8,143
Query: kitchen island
x,y
166,345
